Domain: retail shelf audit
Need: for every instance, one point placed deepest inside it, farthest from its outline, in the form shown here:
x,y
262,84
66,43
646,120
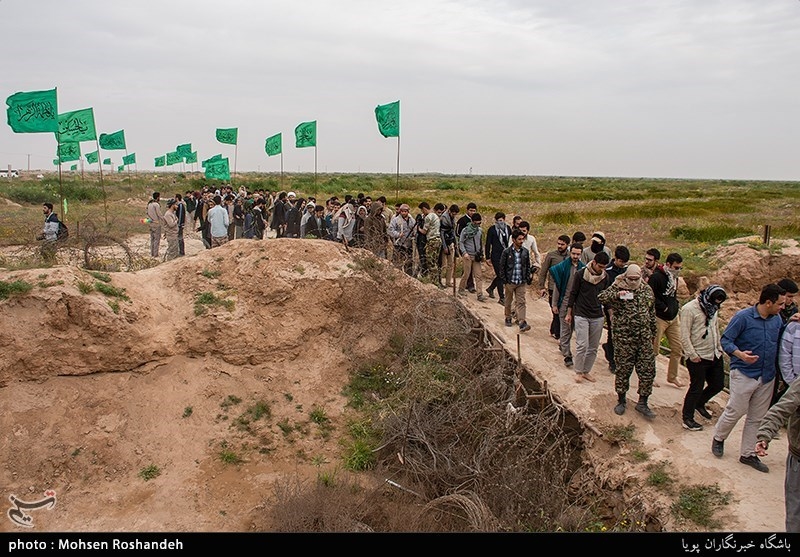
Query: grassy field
x,y
688,216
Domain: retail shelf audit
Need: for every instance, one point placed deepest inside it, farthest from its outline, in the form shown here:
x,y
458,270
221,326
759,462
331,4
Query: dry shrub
x,y
455,458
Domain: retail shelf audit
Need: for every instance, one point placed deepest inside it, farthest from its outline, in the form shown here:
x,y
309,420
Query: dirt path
x,y
758,502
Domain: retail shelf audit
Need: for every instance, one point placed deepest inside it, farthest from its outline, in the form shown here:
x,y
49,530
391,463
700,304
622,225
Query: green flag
x,y
218,170
129,159
107,161
92,157
306,134
191,158
227,135
56,162
69,151
74,167
273,145
215,158
174,158
184,150
77,125
388,117
33,112
113,141
161,161
120,168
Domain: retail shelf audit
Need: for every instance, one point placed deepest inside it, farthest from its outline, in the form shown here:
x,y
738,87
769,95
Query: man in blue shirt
x,y
751,341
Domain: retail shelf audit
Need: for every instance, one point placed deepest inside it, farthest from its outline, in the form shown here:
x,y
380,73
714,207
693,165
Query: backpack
x,y
63,231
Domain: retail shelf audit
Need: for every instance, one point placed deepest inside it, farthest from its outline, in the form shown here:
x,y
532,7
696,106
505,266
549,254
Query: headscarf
x,y
631,279
706,298
471,230
346,212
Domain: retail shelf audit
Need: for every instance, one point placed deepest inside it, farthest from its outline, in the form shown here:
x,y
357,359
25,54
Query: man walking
x,y
461,224
664,282
551,259
617,267
515,272
634,325
751,341
498,238
563,276
785,410
585,314
156,216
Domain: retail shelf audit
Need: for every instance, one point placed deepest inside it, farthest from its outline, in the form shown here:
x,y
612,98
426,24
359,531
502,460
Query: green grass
x,y
85,287
228,456
111,291
14,288
230,400
699,504
659,476
359,456
204,299
318,416
710,233
149,472
103,277
210,274
187,411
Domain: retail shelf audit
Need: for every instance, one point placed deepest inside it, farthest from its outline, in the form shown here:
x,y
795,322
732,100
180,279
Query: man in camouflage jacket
x,y
634,328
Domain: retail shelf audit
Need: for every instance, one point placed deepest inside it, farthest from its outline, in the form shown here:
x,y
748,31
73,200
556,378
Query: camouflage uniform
x,y
633,329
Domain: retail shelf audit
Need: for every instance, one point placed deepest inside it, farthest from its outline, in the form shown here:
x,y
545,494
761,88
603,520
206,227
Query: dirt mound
x,y
132,394
166,370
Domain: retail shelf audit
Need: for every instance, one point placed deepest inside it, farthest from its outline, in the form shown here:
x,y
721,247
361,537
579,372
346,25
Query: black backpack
x,y
63,231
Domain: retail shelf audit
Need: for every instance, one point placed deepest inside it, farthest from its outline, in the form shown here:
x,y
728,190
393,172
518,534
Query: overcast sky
x,y
629,88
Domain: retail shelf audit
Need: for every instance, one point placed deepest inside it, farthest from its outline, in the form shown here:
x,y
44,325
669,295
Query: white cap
x,y
291,194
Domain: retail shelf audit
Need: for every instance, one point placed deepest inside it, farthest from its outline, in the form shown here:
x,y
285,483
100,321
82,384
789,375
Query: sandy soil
x,y
92,396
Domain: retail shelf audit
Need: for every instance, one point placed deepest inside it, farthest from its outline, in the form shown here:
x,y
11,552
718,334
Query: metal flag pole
x,y
397,182
235,156
102,185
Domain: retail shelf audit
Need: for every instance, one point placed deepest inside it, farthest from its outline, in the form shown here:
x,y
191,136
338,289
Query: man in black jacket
x,y
515,274
498,238
664,282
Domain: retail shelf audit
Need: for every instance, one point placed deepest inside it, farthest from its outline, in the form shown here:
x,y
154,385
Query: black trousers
x,y
706,379
497,283
555,324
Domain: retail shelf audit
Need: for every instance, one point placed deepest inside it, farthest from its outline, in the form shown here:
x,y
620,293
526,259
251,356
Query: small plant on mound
x,y
111,291
699,503
149,472
104,277
210,274
659,476
228,455
8,289
84,287
210,299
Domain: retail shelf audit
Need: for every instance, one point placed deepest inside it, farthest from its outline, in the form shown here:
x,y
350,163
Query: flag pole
x,y
281,167
102,185
397,182
235,157
315,167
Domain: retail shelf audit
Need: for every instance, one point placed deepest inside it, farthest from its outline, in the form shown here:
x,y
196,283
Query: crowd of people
x,y
589,287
